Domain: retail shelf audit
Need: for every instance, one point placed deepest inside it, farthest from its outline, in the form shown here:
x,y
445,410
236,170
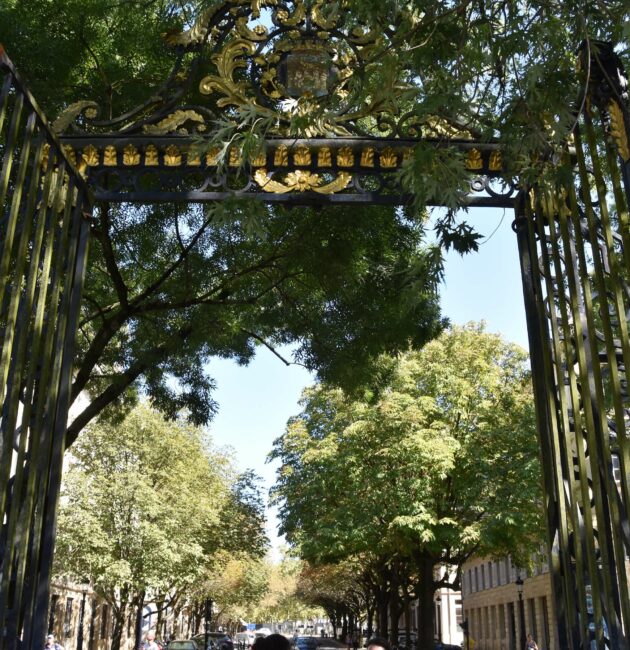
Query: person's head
x,y
378,643
151,635
50,639
529,637
272,642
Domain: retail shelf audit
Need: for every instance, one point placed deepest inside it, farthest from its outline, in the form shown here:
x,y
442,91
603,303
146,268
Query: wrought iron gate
x,y
574,242
44,212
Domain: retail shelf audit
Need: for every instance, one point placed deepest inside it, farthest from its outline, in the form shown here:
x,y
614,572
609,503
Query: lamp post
x,y
81,619
521,611
208,619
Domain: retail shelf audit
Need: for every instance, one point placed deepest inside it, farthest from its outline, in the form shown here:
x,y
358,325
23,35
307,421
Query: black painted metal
x,y
574,243
44,207
115,181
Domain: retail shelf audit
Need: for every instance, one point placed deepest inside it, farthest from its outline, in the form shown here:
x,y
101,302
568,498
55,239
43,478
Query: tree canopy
x,y
437,464
142,512
170,288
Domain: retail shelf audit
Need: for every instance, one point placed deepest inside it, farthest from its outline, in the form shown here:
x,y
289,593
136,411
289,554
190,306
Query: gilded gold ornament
x,y
90,155
109,156
228,61
301,181
367,157
388,158
131,156
259,160
474,160
234,158
302,156
345,157
193,158
213,156
324,157
172,122
618,130
197,33
172,156
320,20
70,154
495,164
281,156
151,155
291,20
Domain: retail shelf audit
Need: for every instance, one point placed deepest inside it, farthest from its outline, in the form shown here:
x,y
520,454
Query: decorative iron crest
x,y
303,65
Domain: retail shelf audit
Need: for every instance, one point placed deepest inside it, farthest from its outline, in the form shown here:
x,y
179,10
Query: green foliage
x,y
143,507
169,288
442,463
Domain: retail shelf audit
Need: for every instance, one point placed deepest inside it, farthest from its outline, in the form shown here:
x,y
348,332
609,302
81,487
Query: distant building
x,y
447,616
491,604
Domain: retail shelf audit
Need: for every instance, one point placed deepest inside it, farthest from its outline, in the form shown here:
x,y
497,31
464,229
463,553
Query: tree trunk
x,y
383,615
119,617
395,607
370,622
426,590
139,604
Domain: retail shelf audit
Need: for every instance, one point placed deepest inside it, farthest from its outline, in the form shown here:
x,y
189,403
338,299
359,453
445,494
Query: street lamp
x,y
208,618
521,609
82,618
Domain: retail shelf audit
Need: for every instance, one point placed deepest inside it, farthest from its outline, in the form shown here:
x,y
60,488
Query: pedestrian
x,y
51,644
355,641
531,644
378,643
149,643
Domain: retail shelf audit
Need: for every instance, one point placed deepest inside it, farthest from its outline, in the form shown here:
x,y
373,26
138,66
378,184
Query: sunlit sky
x,y
256,400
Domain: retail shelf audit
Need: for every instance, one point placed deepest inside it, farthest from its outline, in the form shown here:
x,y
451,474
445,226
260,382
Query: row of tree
x,y
436,463
152,512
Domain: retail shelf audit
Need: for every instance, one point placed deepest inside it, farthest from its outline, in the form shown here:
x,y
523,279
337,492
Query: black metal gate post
x,y
574,243
44,210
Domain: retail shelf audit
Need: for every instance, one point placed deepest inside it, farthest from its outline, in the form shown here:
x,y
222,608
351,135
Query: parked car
x,y
245,639
402,640
216,641
305,643
184,644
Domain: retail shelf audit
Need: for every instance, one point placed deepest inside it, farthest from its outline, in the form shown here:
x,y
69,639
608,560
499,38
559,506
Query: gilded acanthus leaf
x,y
197,33
173,121
70,114
227,61
618,130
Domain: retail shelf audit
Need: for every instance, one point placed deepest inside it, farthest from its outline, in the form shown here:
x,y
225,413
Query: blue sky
x,y
255,401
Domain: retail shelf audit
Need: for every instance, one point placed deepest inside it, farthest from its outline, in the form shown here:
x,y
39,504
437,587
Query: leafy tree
x,y
236,583
439,463
141,510
168,289
340,591
283,601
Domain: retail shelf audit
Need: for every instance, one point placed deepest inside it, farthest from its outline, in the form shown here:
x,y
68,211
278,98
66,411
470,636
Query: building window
x,y
104,614
490,580
476,578
67,620
501,621
532,617
54,603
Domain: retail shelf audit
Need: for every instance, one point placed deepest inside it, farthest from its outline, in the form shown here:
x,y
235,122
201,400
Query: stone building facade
x,y
492,609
